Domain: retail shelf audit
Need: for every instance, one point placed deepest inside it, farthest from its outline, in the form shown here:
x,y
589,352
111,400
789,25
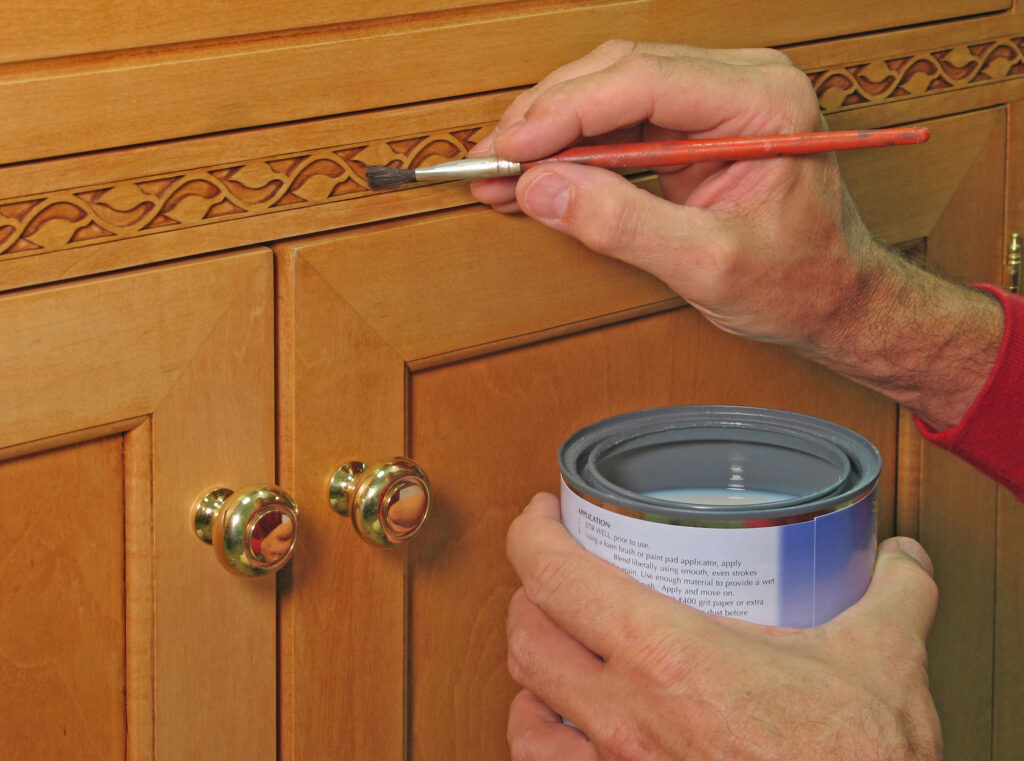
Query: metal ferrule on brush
x,y
470,169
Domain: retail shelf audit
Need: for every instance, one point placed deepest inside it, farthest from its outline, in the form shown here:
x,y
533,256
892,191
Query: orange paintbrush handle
x,y
676,152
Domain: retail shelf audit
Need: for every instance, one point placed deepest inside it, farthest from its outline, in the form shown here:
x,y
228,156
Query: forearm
x,y
927,343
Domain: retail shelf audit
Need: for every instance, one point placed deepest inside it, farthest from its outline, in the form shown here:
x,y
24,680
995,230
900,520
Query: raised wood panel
x,y
62,604
487,432
253,81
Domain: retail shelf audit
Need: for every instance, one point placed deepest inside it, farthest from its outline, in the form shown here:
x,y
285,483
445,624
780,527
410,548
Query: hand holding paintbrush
x,y
768,250
655,154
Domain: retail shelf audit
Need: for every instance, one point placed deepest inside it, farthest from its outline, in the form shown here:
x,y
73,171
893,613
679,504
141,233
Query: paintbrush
x,y
655,154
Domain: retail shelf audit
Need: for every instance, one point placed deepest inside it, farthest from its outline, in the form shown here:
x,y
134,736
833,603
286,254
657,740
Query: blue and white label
x,y
798,575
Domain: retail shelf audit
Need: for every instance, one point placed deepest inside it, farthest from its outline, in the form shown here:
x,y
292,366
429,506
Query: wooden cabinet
x,y
126,396
202,291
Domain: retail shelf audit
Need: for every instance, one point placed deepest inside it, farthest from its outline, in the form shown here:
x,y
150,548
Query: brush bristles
x,y
381,177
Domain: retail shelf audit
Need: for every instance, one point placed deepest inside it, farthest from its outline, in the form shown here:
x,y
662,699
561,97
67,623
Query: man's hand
x,y
771,249
645,677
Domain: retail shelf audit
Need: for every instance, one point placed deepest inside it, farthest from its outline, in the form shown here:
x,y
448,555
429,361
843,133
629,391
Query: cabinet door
x,y
495,341
475,343
122,399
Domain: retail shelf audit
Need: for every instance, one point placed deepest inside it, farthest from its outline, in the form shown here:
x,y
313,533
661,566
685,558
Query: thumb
x,y
902,592
610,215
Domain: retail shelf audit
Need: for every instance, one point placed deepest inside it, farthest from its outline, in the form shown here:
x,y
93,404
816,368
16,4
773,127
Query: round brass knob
x,y
252,530
387,502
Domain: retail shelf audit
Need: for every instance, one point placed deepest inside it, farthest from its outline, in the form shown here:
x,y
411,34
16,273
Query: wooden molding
x,y
201,196
194,197
914,75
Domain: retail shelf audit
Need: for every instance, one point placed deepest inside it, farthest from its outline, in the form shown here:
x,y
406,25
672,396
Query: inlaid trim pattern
x,y
114,211
103,213
869,83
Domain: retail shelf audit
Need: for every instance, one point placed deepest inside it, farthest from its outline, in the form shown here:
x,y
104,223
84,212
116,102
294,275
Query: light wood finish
x,y
514,337
321,72
1008,730
481,272
922,182
908,481
36,30
488,430
173,644
407,322
62,604
57,341
957,517
214,633
343,620
139,592
107,210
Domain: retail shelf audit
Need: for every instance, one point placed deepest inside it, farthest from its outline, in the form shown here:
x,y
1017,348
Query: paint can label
x,y
800,574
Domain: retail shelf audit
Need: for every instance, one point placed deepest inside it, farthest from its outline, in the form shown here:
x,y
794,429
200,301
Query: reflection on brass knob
x,y
252,530
388,502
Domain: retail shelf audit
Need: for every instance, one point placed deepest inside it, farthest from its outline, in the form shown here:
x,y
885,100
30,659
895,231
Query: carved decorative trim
x,y
115,211
869,83
162,203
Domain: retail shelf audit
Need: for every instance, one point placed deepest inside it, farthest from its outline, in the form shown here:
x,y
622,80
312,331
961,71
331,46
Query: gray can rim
x,y
577,469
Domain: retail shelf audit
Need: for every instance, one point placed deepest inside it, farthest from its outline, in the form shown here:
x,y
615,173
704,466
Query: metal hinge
x,y
1013,265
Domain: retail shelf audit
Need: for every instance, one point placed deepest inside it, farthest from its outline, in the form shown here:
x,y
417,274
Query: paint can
x,y
759,514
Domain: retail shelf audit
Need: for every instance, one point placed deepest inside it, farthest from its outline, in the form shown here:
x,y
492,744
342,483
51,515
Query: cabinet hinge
x,y
1013,265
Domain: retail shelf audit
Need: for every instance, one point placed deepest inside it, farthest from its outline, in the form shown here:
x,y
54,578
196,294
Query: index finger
x,y
701,94
598,604
613,51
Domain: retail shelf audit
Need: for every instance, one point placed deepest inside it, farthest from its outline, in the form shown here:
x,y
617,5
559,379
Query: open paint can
x,y
752,513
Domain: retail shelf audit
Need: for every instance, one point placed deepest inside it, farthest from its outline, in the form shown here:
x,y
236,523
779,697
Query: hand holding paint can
x,y
758,514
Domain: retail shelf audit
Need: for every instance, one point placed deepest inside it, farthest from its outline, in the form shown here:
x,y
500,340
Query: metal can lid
x,y
759,463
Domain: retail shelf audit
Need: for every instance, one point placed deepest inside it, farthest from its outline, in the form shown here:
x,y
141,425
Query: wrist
x,y
926,342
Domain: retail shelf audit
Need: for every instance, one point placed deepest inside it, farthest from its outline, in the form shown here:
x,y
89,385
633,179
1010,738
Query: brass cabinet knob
x,y
252,530
387,502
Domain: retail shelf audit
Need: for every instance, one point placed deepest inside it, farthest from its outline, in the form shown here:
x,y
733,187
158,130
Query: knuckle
x,y
520,748
514,665
518,638
615,48
621,739
666,659
796,85
546,573
520,660
777,57
622,222
640,64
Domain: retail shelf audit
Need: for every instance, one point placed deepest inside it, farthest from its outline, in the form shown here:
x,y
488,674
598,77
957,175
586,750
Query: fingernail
x,y
547,197
913,549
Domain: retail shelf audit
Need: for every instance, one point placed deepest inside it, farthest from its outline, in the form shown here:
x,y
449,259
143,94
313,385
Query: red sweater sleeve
x,y
991,434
